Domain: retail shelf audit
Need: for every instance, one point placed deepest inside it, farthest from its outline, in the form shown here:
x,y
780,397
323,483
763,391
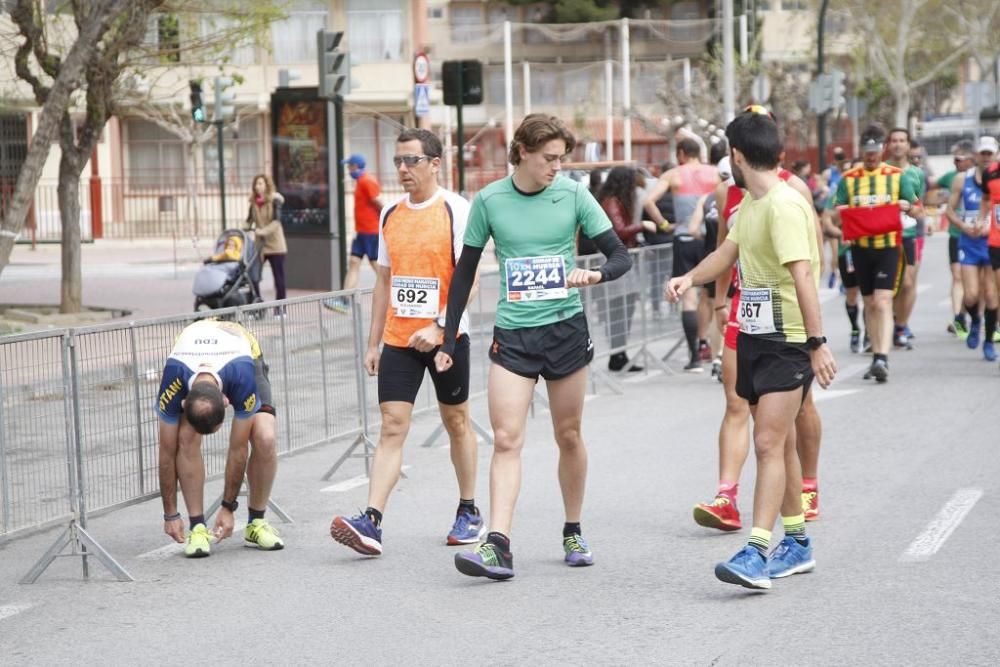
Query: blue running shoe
x,y
790,557
577,552
469,528
972,340
747,568
358,533
486,561
989,352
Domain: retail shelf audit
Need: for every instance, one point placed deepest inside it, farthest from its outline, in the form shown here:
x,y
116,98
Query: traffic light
x,y
197,106
462,79
334,64
224,99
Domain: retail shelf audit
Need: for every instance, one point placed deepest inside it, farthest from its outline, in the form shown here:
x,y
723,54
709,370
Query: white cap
x,y
988,145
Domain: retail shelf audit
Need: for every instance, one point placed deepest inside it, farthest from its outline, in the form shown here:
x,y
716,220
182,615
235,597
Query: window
x,y
243,154
13,148
464,23
163,38
222,27
543,87
794,5
375,138
154,157
577,86
764,5
294,39
494,84
375,29
683,11
435,13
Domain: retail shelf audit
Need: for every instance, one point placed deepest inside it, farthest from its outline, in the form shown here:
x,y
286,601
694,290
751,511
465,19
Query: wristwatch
x,y
813,342
441,321
231,506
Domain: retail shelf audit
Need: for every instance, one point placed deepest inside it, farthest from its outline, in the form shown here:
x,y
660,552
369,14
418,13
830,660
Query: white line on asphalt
x,y
828,394
349,484
923,288
173,549
942,526
8,610
944,302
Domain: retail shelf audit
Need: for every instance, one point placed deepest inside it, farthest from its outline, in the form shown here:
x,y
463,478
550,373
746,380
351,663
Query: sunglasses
x,y
409,160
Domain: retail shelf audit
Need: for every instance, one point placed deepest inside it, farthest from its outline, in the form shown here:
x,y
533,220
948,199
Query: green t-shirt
x,y
537,225
915,176
771,232
945,183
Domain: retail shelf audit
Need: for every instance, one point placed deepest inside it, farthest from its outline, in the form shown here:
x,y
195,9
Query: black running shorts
x,y
263,383
554,351
401,372
767,366
953,250
877,268
848,272
910,250
995,258
688,252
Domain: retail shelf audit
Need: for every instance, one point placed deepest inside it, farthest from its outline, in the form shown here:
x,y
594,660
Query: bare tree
x,y
55,98
118,55
908,45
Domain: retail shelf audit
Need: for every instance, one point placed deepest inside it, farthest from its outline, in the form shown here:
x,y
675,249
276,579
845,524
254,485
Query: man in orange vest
x,y
419,242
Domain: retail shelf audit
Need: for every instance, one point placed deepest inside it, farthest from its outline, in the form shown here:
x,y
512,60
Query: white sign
x,y
422,99
413,296
421,68
536,278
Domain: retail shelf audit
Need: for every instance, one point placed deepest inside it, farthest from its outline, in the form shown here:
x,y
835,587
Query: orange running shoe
x,y
810,504
721,513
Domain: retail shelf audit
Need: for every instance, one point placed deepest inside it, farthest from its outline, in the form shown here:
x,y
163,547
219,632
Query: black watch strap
x,y
813,342
231,506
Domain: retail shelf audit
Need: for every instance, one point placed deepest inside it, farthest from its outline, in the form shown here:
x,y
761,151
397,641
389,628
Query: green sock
x,y
795,527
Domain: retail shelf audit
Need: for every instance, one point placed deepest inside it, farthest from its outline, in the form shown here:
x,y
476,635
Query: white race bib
x,y
756,314
416,297
536,278
909,222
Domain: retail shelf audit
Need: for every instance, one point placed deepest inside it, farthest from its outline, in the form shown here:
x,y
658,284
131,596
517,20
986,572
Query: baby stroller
x,y
230,277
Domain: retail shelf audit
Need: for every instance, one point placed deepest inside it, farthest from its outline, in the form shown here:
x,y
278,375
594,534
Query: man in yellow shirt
x,y
780,346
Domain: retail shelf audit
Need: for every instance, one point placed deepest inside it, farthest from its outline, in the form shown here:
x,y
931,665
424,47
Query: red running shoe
x,y
810,504
721,513
704,351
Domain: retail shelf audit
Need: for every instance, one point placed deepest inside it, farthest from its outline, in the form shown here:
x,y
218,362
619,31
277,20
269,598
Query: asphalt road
x,y
906,573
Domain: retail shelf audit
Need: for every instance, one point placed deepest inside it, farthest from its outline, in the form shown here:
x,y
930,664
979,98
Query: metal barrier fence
x,y
78,433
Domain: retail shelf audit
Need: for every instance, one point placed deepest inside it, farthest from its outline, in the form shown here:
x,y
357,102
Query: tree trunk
x,y
902,98
56,104
71,288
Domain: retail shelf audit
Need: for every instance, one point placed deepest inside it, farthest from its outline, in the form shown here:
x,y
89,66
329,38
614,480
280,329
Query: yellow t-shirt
x,y
771,232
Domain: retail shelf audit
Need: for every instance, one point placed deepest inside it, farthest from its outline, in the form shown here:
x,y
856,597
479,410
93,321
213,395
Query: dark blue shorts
x,y
365,245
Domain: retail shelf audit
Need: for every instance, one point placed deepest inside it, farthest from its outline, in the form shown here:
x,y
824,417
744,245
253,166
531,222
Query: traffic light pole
x,y
222,170
338,115
821,117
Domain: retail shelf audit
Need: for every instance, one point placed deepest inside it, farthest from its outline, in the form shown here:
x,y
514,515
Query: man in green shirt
x,y
964,159
533,217
906,298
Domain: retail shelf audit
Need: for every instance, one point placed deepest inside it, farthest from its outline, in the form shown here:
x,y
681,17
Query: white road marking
x,y
944,302
828,394
8,610
923,288
942,526
349,484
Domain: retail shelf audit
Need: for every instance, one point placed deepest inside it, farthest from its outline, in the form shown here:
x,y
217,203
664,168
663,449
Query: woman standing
x,y
617,197
264,220
533,217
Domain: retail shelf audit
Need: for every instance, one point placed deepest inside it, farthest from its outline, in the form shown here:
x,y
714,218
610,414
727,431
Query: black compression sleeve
x,y
619,261
458,294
